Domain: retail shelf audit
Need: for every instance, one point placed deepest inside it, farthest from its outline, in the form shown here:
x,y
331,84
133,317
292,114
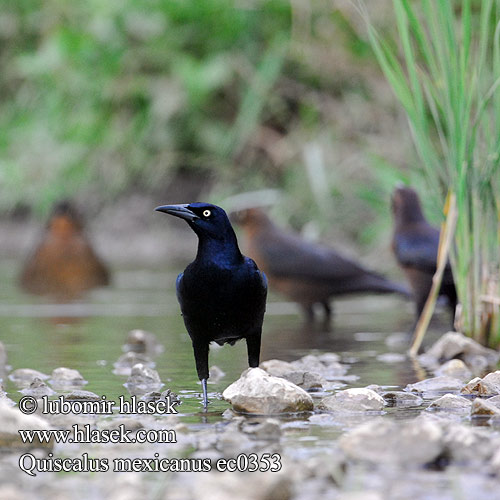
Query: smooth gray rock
x,y
436,384
141,341
79,395
353,400
384,441
327,365
142,380
123,365
486,386
23,377
258,392
401,399
307,379
66,378
456,345
450,402
455,368
482,407
12,420
466,444
38,388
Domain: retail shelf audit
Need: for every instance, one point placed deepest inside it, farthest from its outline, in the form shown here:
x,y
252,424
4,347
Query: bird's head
x,y
205,219
64,219
251,220
405,204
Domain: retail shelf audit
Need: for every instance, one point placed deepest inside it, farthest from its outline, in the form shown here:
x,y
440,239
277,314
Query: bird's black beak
x,y
181,211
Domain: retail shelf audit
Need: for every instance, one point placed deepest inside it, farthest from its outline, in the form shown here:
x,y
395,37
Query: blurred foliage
x,y
100,98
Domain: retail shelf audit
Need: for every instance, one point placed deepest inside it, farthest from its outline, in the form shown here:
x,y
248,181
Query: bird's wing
x,y
290,256
418,251
178,285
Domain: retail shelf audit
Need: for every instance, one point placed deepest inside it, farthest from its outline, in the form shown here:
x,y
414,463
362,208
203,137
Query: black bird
x,y
415,244
305,272
222,293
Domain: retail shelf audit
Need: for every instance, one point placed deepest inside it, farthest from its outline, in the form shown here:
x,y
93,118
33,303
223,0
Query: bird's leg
x,y
205,395
201,359
253,348
308,312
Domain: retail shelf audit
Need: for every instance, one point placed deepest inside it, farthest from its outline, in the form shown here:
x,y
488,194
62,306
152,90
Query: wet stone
x,y
258,392
142,380
401,399
38,388
124,364
436,384
12,421
353,400
483,407
455,368
143,342
161,396
450,402
309,381
487,386
384,441
456,345
327,365
79,395
23,377
276,367
466,444
65,378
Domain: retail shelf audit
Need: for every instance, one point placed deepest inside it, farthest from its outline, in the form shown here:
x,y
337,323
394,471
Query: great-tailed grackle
x,y
307,273
222,293
415,244
63,265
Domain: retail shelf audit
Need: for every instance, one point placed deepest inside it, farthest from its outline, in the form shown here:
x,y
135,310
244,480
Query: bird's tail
x,y
376,283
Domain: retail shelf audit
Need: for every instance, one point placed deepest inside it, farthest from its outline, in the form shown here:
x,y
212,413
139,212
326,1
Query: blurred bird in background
x,y
305,272
415,244
63,265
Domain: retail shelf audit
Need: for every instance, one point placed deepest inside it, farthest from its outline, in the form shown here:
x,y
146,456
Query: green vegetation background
x,y
101,98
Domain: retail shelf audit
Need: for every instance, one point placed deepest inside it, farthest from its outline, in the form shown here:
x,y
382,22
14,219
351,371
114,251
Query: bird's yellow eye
x,y
206,213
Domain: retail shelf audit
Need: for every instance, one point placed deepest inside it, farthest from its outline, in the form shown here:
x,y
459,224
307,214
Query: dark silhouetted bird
x,y
222,293
63,265
305,272
415,244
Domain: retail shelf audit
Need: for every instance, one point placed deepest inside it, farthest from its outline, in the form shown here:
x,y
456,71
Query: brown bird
x,y
63,264
415,244
306,273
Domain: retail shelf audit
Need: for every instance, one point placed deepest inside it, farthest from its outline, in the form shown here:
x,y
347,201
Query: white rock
x,y
487,386
450,402
258,392
142,380
453,344
353,400
436,384
482,407
66,378
23,377
383,441
12,420
455,368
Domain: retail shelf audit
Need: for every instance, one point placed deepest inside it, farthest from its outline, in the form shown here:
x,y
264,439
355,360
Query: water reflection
x,y
91,336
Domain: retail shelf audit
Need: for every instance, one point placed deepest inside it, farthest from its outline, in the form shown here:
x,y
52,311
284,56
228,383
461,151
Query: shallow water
x,y
88,336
